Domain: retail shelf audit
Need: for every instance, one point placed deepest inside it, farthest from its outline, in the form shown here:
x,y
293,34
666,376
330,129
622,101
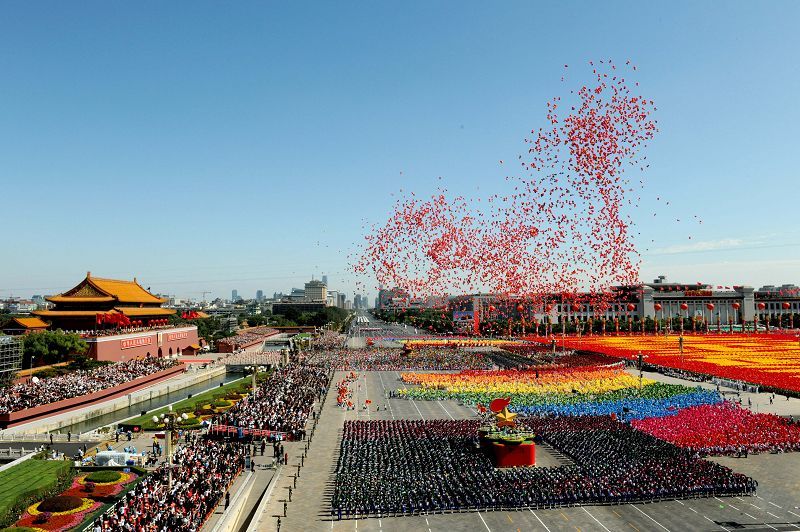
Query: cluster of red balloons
x,y
558,228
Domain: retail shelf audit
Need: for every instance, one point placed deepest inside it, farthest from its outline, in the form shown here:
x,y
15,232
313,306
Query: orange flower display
x,y
765,359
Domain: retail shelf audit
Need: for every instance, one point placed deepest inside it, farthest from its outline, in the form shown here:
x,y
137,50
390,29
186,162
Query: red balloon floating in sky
x,y
557,227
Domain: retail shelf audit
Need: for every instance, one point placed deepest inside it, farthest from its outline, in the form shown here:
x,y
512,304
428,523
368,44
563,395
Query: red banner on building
x,y
128,343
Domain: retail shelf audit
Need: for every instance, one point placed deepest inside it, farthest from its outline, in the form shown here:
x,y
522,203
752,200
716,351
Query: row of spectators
x,y
328,340
245,339
381,359
407,466
39,392
282,403
260,358
201,475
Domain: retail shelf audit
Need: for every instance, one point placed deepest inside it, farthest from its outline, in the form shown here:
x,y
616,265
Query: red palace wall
x,y
30,414
161,343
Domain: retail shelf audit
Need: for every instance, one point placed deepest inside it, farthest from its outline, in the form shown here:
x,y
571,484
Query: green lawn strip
x,y
146,422
29,482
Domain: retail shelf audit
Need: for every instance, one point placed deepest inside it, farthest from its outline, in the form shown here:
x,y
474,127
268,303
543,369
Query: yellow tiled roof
x,y
124,291
31,323
72,299
100,290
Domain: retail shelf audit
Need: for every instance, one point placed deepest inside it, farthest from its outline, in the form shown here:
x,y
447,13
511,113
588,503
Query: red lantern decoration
x,y
491,308
786,305
736,306
631,307
520,308
548,308
710,306
575,307
657,306
684,306
762,306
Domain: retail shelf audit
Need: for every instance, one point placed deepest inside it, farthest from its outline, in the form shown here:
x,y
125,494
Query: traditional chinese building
x,y
78,309
120,320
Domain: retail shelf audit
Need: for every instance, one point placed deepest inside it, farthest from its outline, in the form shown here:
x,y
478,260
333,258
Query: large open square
x,y
773,508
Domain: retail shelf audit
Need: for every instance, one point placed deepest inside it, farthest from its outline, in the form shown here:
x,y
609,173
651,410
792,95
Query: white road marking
x,y
791,512
412,401
650,518
593,517
775,505
445,410
484,522
388,401
540,521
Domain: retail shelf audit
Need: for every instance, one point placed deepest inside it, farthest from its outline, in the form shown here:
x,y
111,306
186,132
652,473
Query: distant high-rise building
x,y
259,295
234,295
316,291
325,280
342,299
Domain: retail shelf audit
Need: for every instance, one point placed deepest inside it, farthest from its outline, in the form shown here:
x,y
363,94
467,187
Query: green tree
x,y
51,347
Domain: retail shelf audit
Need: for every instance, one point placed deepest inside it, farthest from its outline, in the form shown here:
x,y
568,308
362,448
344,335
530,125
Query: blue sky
x,y
209,146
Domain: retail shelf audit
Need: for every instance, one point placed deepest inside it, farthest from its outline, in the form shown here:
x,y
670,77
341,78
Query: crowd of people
x,y
724,429
202,471
282,403
401,467
385,359
251,358
37,392
245,338
328,340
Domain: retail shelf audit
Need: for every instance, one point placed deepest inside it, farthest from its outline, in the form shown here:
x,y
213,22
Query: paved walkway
x,y
314,483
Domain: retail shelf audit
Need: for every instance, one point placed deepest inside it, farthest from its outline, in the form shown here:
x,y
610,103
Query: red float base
x,y
510,454
513,454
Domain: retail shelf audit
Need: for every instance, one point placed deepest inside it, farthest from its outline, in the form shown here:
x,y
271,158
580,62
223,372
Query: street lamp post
x,y
170,421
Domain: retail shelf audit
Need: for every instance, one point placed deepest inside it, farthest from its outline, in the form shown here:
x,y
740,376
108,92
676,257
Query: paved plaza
x,y
775,507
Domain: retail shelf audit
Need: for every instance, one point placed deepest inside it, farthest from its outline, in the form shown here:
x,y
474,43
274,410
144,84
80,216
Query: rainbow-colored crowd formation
x,y
593,390
688,416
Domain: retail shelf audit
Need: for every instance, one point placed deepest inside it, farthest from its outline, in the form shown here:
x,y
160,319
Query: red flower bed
x,y
58,522
101,490
724,428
